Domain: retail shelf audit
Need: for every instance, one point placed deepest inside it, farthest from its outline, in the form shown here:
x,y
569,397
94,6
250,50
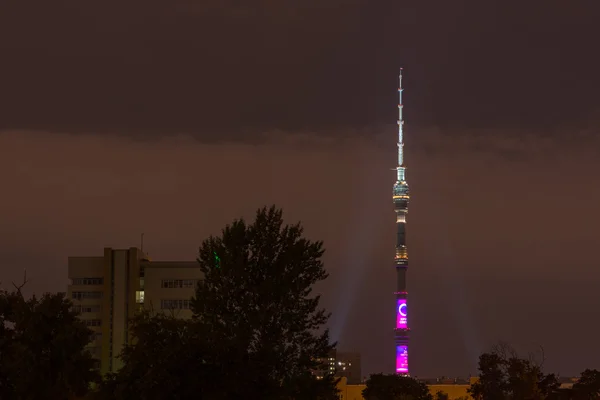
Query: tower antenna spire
x,y
401,177
401,197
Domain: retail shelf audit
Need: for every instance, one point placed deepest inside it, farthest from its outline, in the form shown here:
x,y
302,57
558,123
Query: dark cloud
x,y
230,69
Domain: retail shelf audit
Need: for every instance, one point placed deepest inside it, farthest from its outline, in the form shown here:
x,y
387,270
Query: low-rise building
x,y
108,290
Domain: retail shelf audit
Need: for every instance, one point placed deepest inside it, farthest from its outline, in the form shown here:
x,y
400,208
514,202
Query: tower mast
x,y
401,197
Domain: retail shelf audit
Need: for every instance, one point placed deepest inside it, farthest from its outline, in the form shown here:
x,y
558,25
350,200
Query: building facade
x,y
348,366
108,290
341,365
400,198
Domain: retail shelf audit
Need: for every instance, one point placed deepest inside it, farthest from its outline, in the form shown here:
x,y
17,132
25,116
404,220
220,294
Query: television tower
x,y
401,198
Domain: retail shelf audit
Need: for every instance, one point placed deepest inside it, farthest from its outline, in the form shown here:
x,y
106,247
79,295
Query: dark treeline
x,y
42,344
503,375
257,332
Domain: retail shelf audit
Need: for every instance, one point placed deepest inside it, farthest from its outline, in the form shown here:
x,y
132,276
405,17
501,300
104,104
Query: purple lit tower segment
x,y
401,314
401,198
402,360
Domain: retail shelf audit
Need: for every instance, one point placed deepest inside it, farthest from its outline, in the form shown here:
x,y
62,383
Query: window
x,y
139,296
178,283
175,304
87,309
92,322
88,281
86,295
401,253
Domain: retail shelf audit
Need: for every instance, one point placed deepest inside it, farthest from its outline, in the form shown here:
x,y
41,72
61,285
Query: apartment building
x,y
342,365
348,365
109,289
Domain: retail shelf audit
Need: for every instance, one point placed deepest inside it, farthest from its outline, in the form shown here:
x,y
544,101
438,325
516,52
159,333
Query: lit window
x,y
139,296
401,253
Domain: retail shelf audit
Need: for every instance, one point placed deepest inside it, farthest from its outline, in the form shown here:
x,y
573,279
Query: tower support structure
x,y
401,199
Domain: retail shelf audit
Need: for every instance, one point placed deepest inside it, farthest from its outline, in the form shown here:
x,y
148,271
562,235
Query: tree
x,y
492,378
167,360
588,385
503,375
441,395
42,348
256,307
395,387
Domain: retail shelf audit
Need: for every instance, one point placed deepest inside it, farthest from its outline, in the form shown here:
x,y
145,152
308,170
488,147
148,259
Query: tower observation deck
x,y
401,197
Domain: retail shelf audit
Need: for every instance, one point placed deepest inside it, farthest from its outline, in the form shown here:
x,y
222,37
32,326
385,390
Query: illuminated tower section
x,y
401,259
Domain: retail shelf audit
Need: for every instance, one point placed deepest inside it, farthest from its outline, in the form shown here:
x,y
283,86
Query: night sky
x,y
173,117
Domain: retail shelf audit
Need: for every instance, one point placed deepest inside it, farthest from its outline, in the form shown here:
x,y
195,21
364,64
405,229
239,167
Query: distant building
x,y
327,365
341,364
348,366
108,290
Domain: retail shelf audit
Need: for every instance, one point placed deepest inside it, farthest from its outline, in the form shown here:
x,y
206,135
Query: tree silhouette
x,y
42,348
588,385
166,361
441,395
503,375
395,387
255,305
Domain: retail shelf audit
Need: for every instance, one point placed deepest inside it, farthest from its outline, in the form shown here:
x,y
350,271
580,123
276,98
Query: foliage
x,y
167,361
503,375
441,395
42,348
257,330
588,385
255,304
395,387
